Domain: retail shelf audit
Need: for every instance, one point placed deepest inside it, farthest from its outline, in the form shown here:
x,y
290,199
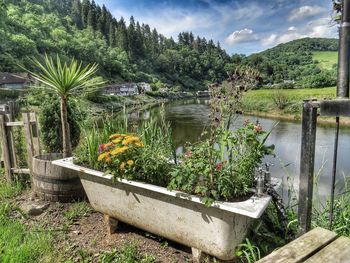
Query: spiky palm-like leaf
x,y
66,80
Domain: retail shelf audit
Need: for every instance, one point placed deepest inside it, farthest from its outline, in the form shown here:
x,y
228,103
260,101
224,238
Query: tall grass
x,y
154,132
18,243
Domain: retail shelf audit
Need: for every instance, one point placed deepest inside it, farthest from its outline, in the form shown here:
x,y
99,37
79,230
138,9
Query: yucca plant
x,y
66,81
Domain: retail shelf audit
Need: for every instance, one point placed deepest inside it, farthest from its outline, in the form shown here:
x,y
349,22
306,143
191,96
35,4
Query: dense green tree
x,y
76,13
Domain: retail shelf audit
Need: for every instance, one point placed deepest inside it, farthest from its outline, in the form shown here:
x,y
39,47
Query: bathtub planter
x,y
180,217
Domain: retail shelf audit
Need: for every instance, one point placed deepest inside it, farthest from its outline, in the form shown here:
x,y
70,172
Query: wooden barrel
x,y
54,183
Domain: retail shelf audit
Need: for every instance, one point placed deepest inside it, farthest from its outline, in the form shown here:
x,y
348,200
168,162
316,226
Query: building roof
x,y
14,78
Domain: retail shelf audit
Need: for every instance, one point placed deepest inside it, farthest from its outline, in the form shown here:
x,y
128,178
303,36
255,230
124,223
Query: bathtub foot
x,y
112,224
197,255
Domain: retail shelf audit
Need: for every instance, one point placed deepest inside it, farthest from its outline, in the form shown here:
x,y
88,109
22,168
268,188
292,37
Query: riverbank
x,y
286,104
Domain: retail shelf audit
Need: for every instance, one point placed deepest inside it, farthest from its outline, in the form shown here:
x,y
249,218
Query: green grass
x,y
78,210
264,100
326,59
19,243
128,254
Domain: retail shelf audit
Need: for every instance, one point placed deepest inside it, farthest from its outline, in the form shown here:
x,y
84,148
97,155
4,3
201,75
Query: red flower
x,y
218,166
101,148
257,128
188,154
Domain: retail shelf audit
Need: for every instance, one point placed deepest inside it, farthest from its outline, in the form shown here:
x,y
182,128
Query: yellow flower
x,y
139,144
116,135
117,140
131,139
122,166
101,157
109,144
105,157
130,162
118,150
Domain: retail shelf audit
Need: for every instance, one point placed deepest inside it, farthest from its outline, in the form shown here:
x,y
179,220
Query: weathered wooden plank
x,y
28,136
35,134
14,123
20,171
301,248
11,141
307,159
5,149
336,252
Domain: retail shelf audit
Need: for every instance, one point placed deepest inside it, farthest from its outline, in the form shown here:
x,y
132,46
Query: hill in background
x,y
134,52
307,62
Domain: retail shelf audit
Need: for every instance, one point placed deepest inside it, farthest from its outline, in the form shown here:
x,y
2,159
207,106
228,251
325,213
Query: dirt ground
x,y
85,237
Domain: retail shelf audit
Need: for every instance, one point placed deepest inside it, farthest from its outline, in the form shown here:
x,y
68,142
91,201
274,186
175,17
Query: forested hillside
x,y
125,51
295,62
132,51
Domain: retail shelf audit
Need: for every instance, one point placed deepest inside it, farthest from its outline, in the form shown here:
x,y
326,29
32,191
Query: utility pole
x,y
344,51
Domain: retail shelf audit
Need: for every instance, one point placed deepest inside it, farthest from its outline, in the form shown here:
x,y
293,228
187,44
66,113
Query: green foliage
x,y
150,162
65,80
341,214
247,252
325,78
77,210
205,171
50,122
263,100
8,191
128,254
84,30
280,99
17,242
326,59
294,61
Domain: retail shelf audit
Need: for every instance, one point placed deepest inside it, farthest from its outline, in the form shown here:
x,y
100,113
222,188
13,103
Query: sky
x,y
241,26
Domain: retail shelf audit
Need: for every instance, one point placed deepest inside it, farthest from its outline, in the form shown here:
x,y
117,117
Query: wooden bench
x,y
317,246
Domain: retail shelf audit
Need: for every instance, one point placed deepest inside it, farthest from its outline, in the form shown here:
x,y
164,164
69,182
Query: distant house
x,y
202,93
126,89
143,87
14,80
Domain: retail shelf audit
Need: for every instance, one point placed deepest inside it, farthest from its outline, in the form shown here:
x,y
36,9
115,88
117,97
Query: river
x,y
188,119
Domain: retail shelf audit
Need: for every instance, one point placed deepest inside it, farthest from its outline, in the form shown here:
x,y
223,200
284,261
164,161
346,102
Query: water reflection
x,y
189,118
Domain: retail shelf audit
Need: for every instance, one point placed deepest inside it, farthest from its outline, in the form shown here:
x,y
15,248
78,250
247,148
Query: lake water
x,y
189,118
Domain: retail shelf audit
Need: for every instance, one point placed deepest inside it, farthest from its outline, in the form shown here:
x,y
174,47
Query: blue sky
x,y
241,26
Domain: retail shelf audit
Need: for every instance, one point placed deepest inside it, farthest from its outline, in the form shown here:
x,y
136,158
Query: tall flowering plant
x,y
222,167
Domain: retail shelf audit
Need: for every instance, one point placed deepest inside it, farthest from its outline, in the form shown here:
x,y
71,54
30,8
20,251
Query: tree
x,y
85,8
64,81
76,13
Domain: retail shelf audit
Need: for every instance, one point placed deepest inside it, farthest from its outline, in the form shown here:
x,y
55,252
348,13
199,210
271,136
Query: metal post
x,y
307,158
344,52
334,172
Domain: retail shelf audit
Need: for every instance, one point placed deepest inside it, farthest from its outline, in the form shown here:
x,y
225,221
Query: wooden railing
x,y
31,132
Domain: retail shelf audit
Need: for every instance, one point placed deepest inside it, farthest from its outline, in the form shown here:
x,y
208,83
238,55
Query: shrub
x,y
50,122
205,171
280,99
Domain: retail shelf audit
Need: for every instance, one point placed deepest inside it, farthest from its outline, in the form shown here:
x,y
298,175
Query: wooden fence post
x,y
35,134
28,136
5,149
307,160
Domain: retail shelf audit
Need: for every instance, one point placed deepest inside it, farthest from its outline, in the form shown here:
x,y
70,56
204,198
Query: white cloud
x,y
304,12
241,36
171,21
315,28
269,40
